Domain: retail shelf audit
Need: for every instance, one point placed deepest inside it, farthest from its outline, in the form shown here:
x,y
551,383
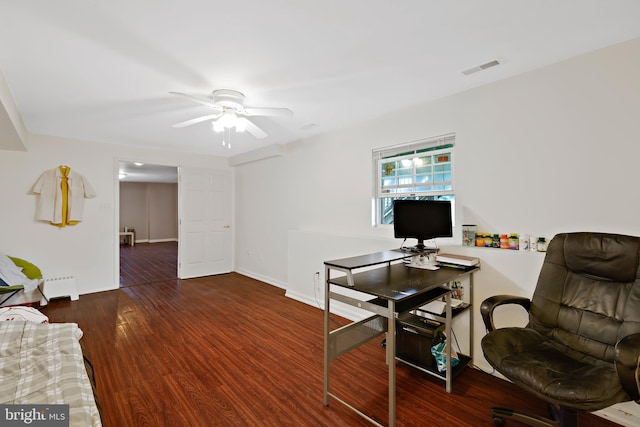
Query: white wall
x,y
552,150
548,151
87,250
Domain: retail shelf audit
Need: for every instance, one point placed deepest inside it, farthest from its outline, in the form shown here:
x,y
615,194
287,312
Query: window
x,y
420,170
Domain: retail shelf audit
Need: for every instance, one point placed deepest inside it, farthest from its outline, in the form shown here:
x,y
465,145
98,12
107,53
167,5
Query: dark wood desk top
x,y
399,282
369,259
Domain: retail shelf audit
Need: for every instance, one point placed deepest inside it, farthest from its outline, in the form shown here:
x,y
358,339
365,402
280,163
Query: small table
x,y
395,289
129,236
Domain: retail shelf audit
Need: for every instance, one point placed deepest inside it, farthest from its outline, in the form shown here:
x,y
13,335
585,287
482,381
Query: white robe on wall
x,y
49,203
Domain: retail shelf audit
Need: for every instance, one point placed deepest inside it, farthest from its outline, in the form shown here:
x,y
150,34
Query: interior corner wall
x,y
151,209
552,150
89,249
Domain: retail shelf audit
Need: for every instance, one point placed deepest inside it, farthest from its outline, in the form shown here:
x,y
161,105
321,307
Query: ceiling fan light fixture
x,y
217,126
228,119
230,113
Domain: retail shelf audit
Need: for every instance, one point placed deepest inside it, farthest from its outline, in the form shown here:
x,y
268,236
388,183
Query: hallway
x,y
148,263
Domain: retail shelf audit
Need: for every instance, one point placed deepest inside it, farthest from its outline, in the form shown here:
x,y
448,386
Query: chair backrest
x,y
588,293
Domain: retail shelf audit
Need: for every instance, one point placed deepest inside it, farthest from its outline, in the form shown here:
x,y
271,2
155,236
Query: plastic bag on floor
x,y
439,352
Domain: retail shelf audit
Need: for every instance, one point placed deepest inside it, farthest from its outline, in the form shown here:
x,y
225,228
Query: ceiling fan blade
x,y
196,120
252,128
273,112
201,99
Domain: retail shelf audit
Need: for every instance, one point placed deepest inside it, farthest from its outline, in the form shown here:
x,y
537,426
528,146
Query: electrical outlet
x,y
316,282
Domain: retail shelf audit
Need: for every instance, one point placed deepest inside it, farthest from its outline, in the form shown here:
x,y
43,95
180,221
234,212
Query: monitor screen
x,y
422,220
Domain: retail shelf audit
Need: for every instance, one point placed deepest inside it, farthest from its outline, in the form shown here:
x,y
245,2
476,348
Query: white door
x,y
204,222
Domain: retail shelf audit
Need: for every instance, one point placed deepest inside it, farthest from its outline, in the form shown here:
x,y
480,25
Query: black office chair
x,y
580,350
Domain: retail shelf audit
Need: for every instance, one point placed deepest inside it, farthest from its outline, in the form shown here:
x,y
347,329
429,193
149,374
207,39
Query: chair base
x,y
562,417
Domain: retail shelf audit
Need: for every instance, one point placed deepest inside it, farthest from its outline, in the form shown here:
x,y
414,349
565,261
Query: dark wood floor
x,y
148,262
228,350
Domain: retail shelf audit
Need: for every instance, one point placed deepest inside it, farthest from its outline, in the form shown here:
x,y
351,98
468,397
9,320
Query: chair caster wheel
x,y
499,421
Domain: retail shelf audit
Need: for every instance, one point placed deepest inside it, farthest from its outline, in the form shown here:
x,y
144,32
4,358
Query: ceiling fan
x,y
230,112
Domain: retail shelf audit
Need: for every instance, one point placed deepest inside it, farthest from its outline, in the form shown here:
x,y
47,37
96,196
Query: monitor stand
x,y
421,248
414,250
424,260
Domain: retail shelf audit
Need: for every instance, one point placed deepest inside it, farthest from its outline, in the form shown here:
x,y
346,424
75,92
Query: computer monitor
x,y
422,220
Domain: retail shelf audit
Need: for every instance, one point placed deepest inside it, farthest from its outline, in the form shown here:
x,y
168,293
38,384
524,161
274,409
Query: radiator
x,y
56,287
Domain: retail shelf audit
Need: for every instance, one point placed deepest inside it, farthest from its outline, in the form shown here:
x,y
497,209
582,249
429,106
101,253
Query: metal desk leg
x,y
449,345
471,322
326,337
391,360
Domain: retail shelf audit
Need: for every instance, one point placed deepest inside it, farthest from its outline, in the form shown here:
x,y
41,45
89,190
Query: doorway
x,y
148,208
202,213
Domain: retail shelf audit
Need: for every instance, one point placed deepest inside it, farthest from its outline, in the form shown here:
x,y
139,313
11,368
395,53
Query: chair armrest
x,y
627,361
490,304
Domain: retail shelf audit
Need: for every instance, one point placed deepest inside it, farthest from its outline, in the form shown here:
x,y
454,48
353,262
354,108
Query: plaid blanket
x,y
43,364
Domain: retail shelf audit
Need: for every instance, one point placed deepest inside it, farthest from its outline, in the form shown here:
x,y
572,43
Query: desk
x,y
395,289
129,235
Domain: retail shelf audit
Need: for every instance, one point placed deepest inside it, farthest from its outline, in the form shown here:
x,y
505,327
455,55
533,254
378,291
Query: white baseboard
x,y
338,308
265,279
305,299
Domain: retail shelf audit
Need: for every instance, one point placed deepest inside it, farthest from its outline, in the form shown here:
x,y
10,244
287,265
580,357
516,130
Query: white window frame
x,y
410,151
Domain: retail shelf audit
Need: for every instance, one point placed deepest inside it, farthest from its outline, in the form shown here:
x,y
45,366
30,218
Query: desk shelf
x,y
421,324
455,311
417,301
432,370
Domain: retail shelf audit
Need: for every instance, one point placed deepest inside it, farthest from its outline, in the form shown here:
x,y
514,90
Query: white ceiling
x,y
101,71
141,172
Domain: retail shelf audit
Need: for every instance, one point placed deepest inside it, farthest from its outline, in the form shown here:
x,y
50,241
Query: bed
x,y
43,363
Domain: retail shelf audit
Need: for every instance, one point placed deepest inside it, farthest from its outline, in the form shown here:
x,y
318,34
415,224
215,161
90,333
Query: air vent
x,y
481,67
